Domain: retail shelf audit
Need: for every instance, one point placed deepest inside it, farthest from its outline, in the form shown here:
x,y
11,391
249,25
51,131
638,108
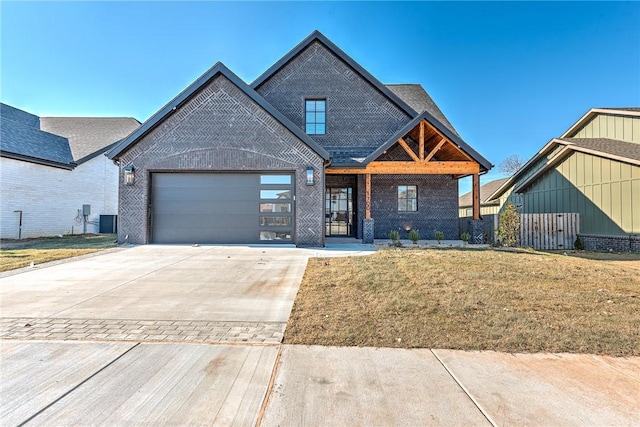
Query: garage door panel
x,y
202,220
199,180
207,193
209,207
205,235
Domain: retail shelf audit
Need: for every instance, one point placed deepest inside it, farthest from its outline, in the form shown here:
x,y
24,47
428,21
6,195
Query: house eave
x,y
37,161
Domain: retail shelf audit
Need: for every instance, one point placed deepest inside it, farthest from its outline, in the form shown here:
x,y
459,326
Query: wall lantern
x,y
129,175
309,175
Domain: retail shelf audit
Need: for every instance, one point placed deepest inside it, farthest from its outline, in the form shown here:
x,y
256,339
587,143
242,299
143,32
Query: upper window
x,y
408,198
315,117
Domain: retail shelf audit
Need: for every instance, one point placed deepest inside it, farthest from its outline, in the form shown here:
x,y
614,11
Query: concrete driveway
x,y
111,339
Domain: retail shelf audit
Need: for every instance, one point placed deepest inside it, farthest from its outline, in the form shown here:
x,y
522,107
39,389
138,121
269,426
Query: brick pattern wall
x,y
358,115
437,205
221,129
605,243
50,197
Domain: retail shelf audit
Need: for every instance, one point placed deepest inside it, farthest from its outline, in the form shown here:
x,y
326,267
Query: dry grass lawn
x,y
471,300
21,253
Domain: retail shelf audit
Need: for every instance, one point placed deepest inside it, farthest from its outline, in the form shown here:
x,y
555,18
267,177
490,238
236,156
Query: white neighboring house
x,y
51,166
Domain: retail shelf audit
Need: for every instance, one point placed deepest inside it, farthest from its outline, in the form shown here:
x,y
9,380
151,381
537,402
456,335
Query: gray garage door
x,y
221,207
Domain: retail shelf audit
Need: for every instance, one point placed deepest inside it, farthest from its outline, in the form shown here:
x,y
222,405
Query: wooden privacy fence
x,y
551,231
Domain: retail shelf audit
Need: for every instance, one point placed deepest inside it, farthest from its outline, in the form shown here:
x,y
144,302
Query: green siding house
x,y
592,169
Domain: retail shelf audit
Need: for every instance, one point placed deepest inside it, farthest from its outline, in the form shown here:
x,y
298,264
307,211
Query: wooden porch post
x,y
476,196
367,196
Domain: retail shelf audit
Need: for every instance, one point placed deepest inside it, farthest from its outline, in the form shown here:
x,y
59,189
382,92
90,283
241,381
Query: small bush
x,y
414,236
508,232
465,237
578,245
439,236
394,236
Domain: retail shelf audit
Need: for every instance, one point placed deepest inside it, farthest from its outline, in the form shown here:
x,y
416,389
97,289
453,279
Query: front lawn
x,y
21,253
512,301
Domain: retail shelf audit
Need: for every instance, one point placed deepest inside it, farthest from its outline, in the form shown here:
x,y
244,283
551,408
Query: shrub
x,y
508,231
414,236
439,236
394,236
578,245
465,237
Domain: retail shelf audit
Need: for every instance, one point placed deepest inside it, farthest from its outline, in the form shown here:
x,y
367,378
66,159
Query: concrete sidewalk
x,y
317,386
106,383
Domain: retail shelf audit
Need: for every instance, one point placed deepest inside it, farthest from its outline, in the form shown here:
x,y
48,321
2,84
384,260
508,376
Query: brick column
x,y
367,231
476,230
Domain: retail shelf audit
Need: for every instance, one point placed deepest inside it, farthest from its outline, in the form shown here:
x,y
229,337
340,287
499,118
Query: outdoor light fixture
x,y
310,176
129,175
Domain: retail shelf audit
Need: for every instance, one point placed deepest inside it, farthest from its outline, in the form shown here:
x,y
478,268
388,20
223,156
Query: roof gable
x,y
485,165
319,37
592,113
218,69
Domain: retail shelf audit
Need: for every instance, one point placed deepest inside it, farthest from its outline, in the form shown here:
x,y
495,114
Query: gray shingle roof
x,y
89,135
486,190
349,155
612,147
20,138
59,141
12,113
417,98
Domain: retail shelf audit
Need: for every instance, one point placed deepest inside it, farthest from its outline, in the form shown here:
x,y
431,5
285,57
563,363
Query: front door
x,y
339,211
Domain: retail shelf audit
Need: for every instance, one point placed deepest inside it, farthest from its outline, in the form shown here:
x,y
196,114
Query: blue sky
x,y
509,75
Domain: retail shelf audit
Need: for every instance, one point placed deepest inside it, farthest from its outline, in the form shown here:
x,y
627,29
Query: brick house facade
x,y
372,146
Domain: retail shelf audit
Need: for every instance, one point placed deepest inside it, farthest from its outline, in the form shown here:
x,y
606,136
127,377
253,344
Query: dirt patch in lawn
x,y
21,253
469,300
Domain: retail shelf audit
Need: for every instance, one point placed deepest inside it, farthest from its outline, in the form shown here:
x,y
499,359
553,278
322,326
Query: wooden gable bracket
x,y
435,150
408,149
421,140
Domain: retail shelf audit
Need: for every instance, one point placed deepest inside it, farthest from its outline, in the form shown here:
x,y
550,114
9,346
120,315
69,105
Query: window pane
x,y
275,179
310,129
412,205
402,191
412,191
275,194
321,105
275,235
320,129
320,118
402,204
275,207
275,221
310,106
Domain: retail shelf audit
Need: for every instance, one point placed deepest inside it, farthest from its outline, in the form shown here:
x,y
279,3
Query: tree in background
x,y
511,164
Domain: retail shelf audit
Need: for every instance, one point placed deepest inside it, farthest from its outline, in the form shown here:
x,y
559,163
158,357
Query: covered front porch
x,y
408,183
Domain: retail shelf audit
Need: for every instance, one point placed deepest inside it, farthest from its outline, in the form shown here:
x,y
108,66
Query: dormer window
x,y
315,117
